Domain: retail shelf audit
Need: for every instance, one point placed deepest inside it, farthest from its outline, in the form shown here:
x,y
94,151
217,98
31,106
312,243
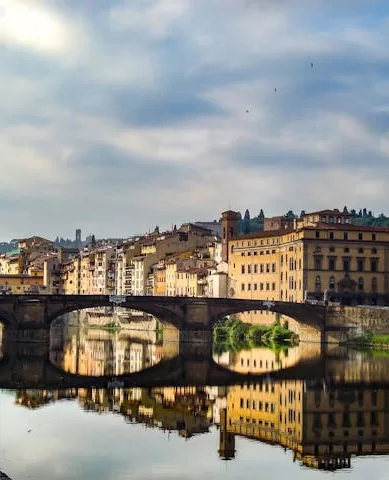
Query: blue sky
x,y
117,115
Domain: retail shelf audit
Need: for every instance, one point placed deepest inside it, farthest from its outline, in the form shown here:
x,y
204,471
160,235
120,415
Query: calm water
x,y
336,413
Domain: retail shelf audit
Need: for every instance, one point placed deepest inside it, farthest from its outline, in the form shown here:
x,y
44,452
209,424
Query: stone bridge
x,y
29,312
26,366
29,367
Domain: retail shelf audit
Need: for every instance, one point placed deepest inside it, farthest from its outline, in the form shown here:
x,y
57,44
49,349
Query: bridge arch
x,y
310,315
6,318
82,302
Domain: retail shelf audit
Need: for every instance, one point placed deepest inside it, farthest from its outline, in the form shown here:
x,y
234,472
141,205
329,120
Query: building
x,y
322,257
21,284
229,230
322,427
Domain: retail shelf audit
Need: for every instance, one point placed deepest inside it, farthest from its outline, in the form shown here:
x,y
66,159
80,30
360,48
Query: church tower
x,y
229,229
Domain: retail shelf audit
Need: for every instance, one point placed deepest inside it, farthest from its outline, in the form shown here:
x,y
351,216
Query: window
x,y
243,269
361,264
332,283
374,251
273,267
360,284
346,265
318,283
317,234
360,236
331,235
360,250
273,286
242,287
248,268
317,263
345,236
374,264
255,268
374,284
332,249
346,250
331,264
373,237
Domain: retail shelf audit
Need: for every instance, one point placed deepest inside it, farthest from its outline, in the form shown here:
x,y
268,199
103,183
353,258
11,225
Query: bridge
x,y
187,314
29,366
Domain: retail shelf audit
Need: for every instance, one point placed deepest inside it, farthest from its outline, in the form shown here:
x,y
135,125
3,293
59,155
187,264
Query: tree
x,y
364,213
261,215
93,241
353,212
345,209
360,213
290,214
246,217
302,213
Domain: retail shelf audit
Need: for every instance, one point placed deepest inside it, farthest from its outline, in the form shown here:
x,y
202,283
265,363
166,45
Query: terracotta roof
x,y
263,234
328,212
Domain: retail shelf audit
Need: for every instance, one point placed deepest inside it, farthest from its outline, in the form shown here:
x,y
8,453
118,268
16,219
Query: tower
x,y
226,439
229,229
78,237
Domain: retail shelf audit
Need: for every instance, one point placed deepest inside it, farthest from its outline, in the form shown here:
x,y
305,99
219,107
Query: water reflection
x,y
105,348
323,428
323,417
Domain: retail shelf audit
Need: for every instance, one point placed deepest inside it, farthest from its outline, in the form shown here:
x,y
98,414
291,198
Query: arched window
x,y
332,283
360,284
374,284
318,284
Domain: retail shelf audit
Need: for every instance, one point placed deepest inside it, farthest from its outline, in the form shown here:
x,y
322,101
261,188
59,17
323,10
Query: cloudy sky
x,y
118,115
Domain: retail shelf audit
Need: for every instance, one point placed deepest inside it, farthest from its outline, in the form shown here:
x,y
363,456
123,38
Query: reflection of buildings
x,y
100,352
38,398
181,409
323,428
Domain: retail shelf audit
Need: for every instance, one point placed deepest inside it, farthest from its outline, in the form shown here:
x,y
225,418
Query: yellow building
x,y
21,284
322,257
322,428
160,279
11,263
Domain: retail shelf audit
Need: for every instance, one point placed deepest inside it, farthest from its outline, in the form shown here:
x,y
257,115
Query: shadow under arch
x,y
178,371
164,315
304,313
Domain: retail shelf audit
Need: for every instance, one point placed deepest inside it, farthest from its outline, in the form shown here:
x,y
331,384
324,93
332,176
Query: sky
x,y
118,116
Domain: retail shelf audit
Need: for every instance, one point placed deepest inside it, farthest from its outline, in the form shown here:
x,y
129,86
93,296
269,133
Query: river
x,y
326,413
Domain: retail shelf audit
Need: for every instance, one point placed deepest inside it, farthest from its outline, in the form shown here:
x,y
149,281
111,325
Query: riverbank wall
x,y
344,323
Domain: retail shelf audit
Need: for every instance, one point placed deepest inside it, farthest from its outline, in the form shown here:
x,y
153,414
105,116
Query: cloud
x,y
117,116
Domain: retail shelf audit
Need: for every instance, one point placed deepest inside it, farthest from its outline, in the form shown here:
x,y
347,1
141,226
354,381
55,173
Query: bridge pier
x,y
35,334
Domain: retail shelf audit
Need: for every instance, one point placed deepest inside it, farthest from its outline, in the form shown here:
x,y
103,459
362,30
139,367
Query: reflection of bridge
x,y
36,312
28,366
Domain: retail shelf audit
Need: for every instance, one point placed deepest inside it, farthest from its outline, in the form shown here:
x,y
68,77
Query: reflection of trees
x,y
233,335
